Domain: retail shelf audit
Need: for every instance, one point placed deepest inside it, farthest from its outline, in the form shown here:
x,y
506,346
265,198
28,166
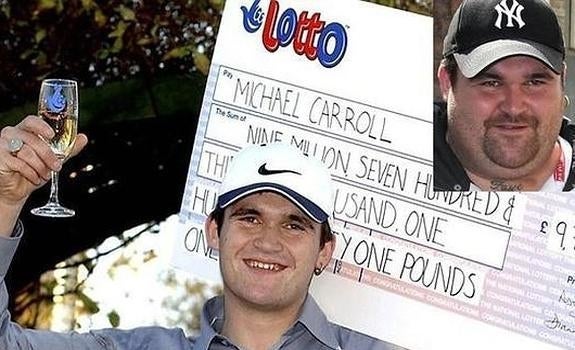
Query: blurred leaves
x,y
65,285
89,305
114,318
50,4
424,7
34,304
184,304
97,42
202,62
126,13
179,52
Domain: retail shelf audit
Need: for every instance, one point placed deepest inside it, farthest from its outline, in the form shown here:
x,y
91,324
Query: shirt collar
x,y
317,324
212,319
312,318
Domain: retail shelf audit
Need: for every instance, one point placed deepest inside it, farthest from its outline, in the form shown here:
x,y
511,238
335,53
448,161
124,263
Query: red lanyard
x,y
559,173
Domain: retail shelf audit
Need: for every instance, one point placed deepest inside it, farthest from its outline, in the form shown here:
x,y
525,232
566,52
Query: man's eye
x,y
295,226
490,83
249,219
535,82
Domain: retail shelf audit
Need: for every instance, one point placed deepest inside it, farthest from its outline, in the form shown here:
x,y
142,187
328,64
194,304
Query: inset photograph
x,y
502,114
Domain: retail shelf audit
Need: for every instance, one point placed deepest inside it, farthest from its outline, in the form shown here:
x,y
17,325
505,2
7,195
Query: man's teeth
x,y
264,266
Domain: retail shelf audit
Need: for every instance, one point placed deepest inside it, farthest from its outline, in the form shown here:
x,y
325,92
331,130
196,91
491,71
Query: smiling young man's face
x,y
268,251
504,122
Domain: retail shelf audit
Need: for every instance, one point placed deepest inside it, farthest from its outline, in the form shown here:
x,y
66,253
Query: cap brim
x,y
484,55
307,206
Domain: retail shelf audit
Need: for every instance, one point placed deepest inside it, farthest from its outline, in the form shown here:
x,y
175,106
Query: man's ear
x,y
211,229
444,81
326,253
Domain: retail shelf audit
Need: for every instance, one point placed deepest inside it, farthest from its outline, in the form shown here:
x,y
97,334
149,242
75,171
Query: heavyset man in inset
x,y
503,80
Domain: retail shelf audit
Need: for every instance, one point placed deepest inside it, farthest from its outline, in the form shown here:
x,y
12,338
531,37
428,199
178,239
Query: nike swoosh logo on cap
x,y
262,170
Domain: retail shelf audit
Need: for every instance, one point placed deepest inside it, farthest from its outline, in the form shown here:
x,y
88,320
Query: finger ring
x,y
14,146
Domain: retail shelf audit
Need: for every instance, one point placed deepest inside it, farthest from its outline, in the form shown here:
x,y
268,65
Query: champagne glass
x,y
58,106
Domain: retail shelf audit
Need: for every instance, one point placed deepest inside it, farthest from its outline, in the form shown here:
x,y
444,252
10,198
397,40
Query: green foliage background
x,y
128,46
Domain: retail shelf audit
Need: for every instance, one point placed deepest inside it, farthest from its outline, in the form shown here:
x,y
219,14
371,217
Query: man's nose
x,y
514,100
268,239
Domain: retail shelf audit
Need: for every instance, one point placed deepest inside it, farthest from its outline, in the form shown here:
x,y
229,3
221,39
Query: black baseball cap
x,y
484,31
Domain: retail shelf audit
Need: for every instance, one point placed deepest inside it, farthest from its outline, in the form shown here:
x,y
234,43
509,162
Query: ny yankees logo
x,y
513,13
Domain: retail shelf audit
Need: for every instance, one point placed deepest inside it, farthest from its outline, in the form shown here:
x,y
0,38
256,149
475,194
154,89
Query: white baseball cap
x,y
282,169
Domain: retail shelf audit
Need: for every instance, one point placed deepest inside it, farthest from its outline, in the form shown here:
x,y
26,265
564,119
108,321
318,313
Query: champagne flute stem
x,y
54,189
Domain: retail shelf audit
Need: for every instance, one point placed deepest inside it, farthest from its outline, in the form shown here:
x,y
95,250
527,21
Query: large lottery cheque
x,y
350,83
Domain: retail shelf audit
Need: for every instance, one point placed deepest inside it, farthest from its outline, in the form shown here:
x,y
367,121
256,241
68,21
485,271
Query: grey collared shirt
x,y
312,330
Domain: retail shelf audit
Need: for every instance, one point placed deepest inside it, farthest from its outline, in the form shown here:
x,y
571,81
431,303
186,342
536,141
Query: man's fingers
x,y
35,125
17,165
28,155
32,142
36,152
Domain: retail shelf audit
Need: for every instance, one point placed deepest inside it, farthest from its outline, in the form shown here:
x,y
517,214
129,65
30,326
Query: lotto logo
x,y
299,30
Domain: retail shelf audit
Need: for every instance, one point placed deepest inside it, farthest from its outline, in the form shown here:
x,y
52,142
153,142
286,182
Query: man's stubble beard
x,y
496,147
